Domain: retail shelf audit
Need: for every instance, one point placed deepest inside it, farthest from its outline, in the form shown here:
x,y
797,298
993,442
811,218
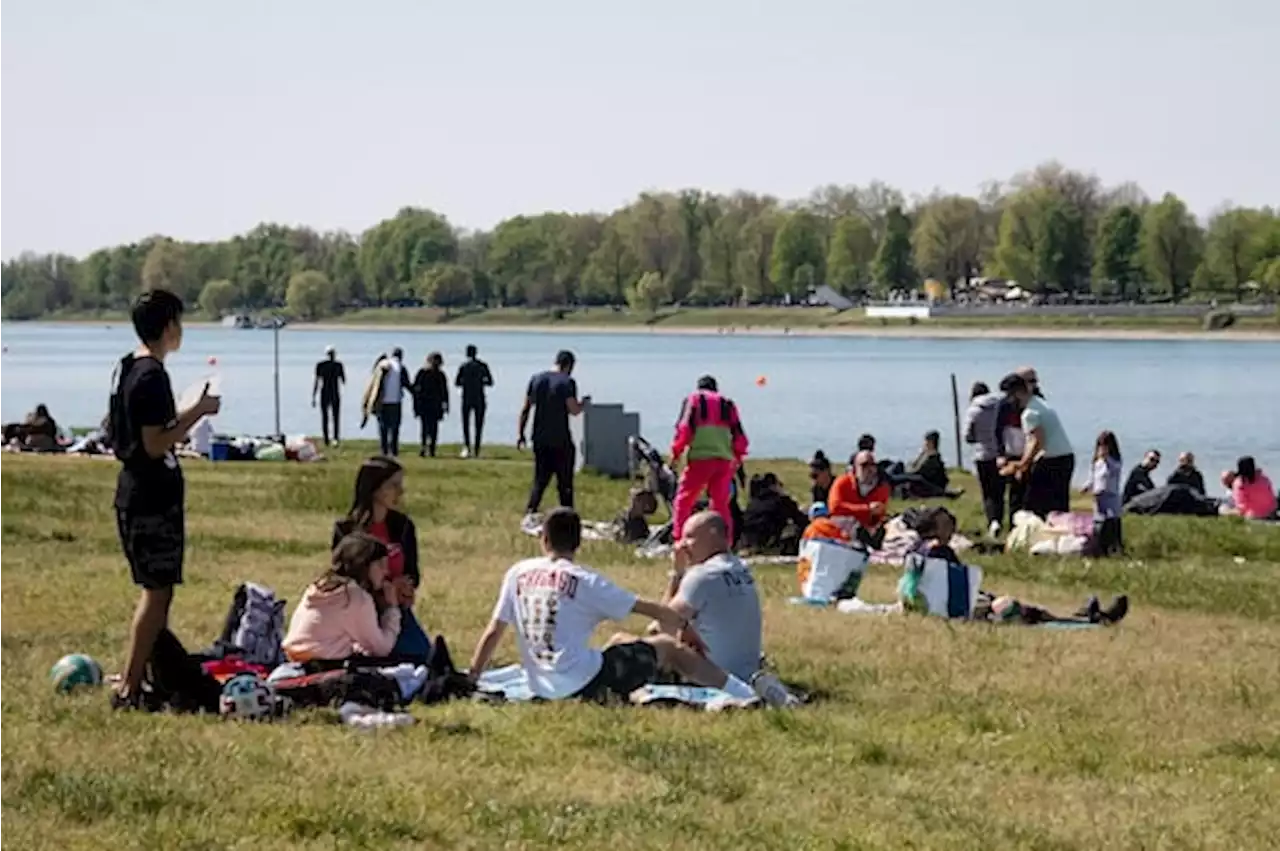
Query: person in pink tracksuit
x,y
710,434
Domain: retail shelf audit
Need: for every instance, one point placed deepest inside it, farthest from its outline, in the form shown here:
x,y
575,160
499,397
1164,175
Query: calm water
x,y
1219,399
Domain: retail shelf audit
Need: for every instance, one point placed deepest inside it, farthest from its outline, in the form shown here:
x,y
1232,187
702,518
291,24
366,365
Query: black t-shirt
x,y
331,374
473,377
144,397
550,393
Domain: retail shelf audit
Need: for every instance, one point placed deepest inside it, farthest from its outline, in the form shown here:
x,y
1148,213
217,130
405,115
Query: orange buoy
x,y
761,381
213,361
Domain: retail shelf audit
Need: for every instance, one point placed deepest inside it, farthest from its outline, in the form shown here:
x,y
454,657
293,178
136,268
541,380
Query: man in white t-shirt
x,y
717,592
555,605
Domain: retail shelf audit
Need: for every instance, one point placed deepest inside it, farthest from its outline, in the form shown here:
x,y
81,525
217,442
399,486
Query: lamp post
x,y
275,353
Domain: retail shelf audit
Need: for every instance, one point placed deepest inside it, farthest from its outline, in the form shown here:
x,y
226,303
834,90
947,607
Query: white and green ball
x,y
71,672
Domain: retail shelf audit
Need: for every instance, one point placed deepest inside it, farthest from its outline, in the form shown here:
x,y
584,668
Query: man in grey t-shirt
x,y
714,589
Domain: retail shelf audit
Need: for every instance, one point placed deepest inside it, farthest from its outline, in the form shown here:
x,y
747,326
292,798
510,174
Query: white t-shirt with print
x,y
555,606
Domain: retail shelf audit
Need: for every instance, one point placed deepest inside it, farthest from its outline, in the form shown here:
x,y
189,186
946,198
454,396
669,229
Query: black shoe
x,y
422,453
121,701
1117,610
1091,609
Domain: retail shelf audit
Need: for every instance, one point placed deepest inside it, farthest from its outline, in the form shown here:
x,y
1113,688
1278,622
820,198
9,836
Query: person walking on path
x,y
430,401
394,383
330,376
709,433
473,377
552,397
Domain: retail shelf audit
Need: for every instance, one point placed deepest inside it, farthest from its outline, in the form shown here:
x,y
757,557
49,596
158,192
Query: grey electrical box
x,y
606,431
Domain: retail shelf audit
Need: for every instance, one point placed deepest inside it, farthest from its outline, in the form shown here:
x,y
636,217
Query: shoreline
x,y
919,331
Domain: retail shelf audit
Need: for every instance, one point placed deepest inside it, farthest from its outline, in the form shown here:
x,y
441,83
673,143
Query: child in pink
x,y
338,616
710,434
1251,490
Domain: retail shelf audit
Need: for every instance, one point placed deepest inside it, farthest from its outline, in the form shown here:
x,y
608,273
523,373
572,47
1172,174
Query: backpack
x,y
254,629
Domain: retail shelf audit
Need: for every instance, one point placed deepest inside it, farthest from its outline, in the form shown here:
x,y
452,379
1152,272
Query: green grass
x,y
1161,733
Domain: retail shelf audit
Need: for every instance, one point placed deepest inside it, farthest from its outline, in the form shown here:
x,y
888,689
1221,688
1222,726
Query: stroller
x,y
649,471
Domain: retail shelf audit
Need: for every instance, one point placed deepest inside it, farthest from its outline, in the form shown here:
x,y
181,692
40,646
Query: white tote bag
x,y
825,566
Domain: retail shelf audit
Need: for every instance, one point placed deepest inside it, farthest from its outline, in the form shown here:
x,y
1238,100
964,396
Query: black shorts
x,y
153,545
626,667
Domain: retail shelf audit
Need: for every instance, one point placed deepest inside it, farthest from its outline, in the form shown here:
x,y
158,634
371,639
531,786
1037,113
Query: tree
x,y
947,243
168,267
1268,276
1060,248
798,245
395,251
1231,248
218,297
753,264
892,267
611,269
853,249
1117,258
1171,245
649,293
310,295
446,285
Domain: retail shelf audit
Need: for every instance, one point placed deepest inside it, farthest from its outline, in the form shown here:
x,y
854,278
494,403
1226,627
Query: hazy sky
x,y
199,120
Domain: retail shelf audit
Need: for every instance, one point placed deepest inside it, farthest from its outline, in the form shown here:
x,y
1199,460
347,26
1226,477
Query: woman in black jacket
x,y
374,510
430,401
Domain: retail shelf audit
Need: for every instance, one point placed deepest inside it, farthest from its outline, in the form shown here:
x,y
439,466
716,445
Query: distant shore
x,y
762,322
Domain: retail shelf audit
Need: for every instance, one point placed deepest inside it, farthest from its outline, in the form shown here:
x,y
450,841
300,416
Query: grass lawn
x,y
1161,733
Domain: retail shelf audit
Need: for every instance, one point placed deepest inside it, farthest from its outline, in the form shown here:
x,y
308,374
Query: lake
x,y
1219,399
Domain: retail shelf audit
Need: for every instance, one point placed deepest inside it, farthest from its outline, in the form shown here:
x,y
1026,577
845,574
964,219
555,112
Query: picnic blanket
x,y
512,683
592,530
899,541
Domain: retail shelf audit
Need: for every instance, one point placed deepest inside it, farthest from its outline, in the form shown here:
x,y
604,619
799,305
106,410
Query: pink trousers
x,y
715,476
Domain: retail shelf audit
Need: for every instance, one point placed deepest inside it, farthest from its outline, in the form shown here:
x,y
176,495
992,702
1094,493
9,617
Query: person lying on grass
x,y
716,592
555,605
936,526
338,617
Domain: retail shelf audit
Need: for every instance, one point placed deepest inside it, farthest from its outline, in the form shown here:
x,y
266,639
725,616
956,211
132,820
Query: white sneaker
x,y
531,524
465,453
727,702
772,691
993,531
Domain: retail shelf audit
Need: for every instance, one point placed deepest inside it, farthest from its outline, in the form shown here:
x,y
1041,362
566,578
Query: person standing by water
x,y
395,381
552,397
982,432
1048,461
330,376
144,426
430,401
473,377
1104,484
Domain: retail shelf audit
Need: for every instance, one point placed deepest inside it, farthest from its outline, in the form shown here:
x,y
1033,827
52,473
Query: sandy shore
x,y
907,332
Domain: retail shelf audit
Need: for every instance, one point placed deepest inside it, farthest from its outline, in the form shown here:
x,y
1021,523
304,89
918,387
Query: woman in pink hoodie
x,y
338,617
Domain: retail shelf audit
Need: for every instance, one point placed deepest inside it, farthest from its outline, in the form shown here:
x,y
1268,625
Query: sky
x,y
199,120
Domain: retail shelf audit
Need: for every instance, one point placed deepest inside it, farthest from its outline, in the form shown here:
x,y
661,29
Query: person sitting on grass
x,y
860,494
772,522
1252,494
555,605
1186,474
632,524
715,590
1139,481
339,615
821,476
39,433
936,527
374,509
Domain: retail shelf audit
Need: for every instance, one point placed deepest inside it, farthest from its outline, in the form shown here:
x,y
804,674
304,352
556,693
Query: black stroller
x,y
655,475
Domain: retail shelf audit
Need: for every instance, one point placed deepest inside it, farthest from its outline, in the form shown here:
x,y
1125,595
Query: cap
x,y
818,509
328,350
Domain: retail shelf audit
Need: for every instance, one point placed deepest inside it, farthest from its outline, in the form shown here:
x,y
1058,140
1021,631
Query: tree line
x,y
1053,230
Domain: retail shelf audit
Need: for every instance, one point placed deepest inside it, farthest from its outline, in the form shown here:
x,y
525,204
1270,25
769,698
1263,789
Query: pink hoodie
x,y
340,623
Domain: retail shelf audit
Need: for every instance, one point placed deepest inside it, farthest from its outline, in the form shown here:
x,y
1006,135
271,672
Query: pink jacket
x,y
1255,500
708,427
340,623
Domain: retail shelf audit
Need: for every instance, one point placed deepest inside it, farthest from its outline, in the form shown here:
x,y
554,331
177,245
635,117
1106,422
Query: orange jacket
x,y
844,500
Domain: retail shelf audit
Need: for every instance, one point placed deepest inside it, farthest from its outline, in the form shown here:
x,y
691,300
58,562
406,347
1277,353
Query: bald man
x,y
714,589
1029,375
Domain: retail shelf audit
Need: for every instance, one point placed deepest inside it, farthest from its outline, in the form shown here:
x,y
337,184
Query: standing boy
x,y
144,428
473,377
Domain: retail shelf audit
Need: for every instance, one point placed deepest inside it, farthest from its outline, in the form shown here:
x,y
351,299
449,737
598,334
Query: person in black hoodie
x,y
430,401
375,510
1139,481
772,522
1187,474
